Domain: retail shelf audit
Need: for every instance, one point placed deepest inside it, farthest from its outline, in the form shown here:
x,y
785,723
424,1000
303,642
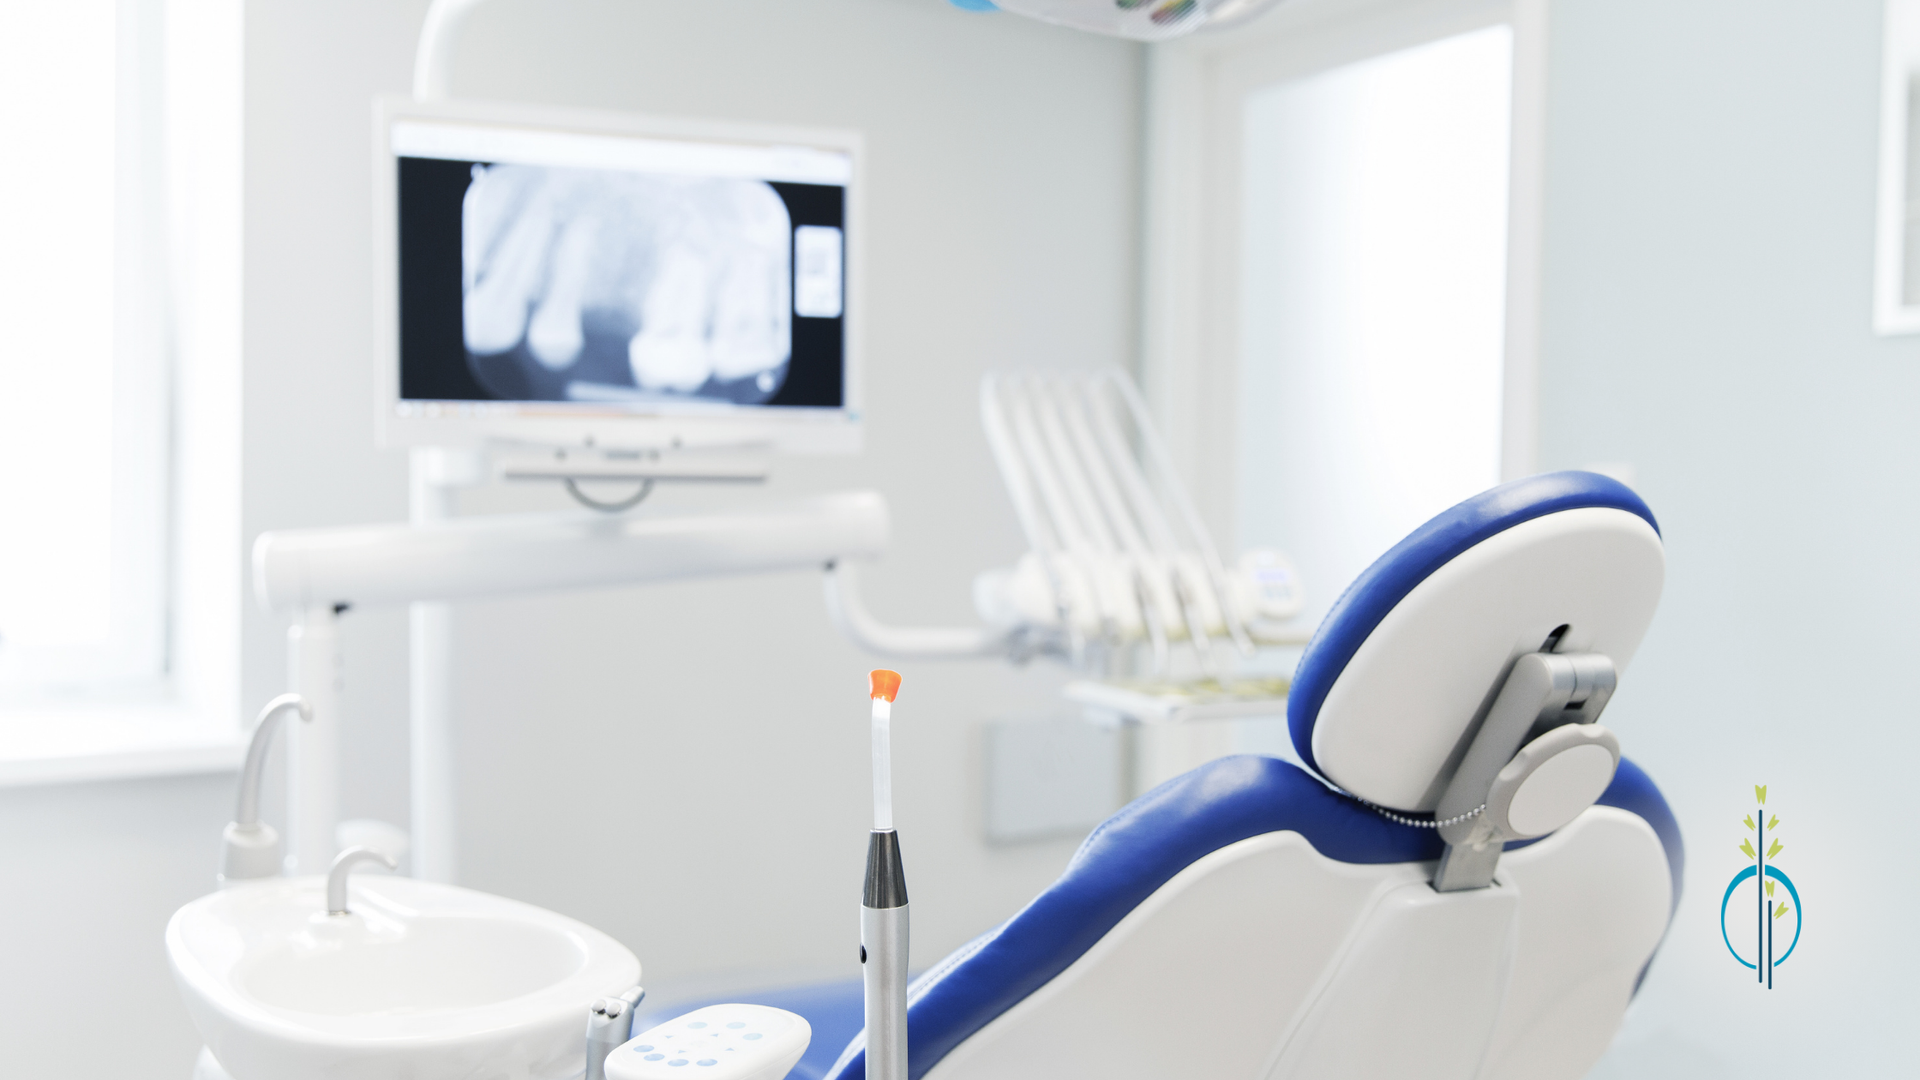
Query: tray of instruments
x,y
1183,701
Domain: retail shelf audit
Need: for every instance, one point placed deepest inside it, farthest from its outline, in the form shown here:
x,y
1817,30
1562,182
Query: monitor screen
x,y
546,274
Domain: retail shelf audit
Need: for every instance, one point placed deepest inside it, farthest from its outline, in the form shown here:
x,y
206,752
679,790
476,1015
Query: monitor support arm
x,y
433,61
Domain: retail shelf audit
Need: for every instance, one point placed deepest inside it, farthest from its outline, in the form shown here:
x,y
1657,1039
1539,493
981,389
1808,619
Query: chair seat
x,y
1092,968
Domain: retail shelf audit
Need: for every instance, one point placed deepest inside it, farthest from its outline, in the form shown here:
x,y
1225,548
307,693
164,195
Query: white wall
x,y
1708,304
89,876
715,731
1372,304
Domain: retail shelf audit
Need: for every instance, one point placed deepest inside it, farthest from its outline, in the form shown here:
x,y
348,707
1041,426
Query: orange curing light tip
x,y
885,684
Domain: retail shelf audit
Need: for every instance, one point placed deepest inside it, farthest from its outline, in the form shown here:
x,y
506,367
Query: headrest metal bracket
x,y
1542,691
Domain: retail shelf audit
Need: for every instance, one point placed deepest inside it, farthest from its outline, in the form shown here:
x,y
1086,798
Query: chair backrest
x,y
1252,919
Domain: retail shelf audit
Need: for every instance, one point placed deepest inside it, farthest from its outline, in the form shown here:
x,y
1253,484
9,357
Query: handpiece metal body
x,y
884,936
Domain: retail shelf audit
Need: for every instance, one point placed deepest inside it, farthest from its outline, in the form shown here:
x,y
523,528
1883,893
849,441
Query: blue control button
x,y
698,1024
753,1036
653,1057
707,1061
678,1061
643,1049
737,1024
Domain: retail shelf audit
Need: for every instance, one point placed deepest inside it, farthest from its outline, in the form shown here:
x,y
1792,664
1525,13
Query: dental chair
x,y
1470,882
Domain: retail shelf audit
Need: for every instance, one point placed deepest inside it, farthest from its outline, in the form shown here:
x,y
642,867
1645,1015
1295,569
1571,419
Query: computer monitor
x,y
595,280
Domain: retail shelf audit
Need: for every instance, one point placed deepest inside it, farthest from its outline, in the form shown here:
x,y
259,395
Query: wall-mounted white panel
x,y
1051,777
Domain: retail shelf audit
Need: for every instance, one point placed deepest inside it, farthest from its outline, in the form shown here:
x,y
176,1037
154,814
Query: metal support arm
x,y
853,619
1541,692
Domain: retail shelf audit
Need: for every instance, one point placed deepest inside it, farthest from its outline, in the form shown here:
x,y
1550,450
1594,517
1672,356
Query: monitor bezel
x,y
476,425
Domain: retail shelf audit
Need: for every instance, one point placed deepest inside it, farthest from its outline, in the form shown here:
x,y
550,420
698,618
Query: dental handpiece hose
x,y
883,905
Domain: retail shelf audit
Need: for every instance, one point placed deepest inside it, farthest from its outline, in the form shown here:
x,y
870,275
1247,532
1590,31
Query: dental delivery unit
x,y
1458,876
1463,878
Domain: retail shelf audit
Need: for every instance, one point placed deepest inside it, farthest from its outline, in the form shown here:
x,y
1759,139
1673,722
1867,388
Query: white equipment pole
x,y
434,806
313,754
434,803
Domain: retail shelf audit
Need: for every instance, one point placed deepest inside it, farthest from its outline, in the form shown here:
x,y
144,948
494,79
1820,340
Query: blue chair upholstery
x,y
1143,846
1388,581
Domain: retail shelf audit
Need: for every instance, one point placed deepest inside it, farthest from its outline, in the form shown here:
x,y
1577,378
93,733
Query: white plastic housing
x,y
1552,779
1394,717
248,852
719,1042
1369,973
420,982
391,564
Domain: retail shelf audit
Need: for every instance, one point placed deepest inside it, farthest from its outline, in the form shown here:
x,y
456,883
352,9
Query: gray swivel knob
x,y
1552,779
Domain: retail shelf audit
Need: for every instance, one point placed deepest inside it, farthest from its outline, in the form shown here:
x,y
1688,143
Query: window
x,y
1897,259
82,446
120,553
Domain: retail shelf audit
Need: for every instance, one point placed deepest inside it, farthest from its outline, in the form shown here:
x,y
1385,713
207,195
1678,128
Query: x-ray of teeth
x,y
590,284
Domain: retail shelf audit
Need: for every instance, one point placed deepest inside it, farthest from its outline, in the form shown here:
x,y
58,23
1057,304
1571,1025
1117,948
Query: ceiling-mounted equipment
x,y
1141,20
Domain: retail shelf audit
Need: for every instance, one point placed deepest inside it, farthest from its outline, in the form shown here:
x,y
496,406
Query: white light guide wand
x,y
883,905
886,685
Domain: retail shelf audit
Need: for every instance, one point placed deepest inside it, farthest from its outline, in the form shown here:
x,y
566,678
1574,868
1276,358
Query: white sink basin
x,y
419,982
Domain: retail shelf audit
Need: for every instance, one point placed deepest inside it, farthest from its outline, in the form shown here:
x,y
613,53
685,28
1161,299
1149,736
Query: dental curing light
x,y
883,904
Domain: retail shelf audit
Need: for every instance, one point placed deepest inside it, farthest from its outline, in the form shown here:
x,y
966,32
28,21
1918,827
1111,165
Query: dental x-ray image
x,y
614,287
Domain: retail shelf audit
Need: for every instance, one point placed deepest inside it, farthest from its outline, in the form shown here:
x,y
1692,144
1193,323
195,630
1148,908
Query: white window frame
x,y
1191,319
1900,66
189,720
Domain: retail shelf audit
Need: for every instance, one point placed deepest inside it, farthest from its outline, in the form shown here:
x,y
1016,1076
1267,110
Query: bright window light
x,y
57,303
1373,303
79,440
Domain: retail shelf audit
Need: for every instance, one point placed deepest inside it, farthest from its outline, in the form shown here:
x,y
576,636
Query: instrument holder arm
x,y
850,615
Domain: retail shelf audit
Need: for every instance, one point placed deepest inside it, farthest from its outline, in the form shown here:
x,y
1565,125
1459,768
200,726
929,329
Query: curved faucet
x,y
252,850
343,864
247,814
